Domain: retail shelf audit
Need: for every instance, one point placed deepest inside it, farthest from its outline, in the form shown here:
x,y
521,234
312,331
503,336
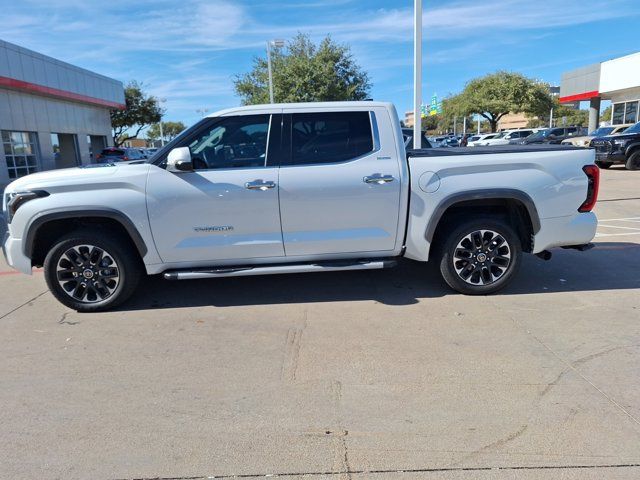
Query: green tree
x,y
140,110
170,130
305,72
562,115
605,116
494,96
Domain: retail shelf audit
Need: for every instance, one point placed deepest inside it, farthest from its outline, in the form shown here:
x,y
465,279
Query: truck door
x,y
339,183
227,208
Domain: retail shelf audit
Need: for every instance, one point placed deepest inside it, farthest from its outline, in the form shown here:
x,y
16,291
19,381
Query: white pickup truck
x,y
298,188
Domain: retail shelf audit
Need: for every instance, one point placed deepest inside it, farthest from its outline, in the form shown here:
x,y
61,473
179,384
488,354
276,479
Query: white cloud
x,y
175,46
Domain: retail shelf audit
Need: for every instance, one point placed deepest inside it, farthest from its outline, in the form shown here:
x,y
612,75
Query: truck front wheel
x,y
92,271
633,163
480,256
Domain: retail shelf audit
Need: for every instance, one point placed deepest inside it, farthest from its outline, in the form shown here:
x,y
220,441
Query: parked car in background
x,y
622,148
553,135
600,132
451,142
118,154
506,136
407,136
479,139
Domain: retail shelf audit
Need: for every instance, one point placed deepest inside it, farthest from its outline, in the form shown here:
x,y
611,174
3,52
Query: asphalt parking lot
x,y
383,374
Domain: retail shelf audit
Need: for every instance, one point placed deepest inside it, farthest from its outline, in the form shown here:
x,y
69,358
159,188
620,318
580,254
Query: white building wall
x,y
620,74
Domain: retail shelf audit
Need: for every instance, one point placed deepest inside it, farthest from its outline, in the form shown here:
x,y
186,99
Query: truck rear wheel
x,y
92,271
480,256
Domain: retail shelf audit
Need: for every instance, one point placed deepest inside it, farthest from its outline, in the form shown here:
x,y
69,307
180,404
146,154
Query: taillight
x,y
125,157
593,174
98,156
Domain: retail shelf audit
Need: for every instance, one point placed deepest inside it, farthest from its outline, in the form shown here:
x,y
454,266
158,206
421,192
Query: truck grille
x,y
601,146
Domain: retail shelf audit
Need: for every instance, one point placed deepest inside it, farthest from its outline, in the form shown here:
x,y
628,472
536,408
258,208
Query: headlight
x,y
15,200
620,142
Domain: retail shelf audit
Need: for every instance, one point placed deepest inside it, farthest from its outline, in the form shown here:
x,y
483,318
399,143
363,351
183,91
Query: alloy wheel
x,y
482,257
87,273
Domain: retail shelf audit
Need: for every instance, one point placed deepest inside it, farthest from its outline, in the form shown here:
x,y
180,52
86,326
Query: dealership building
x,y
617,80
52,114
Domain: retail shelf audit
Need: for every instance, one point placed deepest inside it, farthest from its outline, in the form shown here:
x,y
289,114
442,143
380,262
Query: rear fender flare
x,y
484,194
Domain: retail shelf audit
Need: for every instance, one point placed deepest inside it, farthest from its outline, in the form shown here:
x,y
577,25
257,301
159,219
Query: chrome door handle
x,y
378,179
259,185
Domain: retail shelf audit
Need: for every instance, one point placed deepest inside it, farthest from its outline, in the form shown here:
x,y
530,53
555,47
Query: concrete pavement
x,y
383,374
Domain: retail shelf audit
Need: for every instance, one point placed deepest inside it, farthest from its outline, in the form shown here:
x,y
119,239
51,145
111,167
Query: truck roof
x,y
301,106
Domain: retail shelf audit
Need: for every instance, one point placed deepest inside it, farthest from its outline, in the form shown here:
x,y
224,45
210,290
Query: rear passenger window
x,y
330,137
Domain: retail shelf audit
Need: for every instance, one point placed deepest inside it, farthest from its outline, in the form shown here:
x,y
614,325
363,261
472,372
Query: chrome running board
x,y
276,269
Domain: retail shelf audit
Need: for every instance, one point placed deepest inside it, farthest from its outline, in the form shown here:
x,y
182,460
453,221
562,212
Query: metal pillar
x,y
417,74
270,74
594,113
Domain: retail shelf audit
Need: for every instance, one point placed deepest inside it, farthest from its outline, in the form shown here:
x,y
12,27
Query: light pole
x,y
161,100
417,74
277,44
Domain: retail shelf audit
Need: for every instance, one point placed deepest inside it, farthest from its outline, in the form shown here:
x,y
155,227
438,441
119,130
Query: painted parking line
x,y
599,235
631,219
611,227
618,226
16,272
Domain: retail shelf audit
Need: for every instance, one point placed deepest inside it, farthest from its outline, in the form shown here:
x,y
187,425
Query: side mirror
x,y
179,160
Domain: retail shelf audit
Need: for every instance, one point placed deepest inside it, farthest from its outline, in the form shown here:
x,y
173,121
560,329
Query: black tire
x,y
458,241
604,165
633,162
109,278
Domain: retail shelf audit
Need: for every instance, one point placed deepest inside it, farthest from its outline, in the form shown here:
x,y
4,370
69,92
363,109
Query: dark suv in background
x,y
553,135
621,148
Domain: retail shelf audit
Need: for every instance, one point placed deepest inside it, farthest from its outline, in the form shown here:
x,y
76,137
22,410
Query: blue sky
x,y
189,51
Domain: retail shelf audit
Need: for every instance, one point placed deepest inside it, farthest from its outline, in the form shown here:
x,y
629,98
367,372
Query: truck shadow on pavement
x,y
609,266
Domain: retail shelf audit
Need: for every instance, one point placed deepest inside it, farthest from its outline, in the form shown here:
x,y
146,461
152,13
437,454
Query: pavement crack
x,y
586,358
293,343
63,320
381,472
549,386
23,305
490,446
572,366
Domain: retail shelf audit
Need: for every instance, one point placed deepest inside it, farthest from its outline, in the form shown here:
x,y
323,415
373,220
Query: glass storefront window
x,y
631,112
617,117
625,112
20,151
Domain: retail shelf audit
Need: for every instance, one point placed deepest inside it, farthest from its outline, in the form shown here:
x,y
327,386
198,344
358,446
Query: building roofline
x,y
32,53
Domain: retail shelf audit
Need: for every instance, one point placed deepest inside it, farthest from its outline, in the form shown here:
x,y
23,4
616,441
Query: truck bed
x,y
457,151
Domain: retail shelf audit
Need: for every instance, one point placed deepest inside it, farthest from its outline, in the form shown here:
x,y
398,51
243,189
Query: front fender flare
x,y
124,220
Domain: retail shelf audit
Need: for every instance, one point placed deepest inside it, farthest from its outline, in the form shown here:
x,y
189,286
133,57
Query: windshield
x,y
633,129
539,135
602,131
